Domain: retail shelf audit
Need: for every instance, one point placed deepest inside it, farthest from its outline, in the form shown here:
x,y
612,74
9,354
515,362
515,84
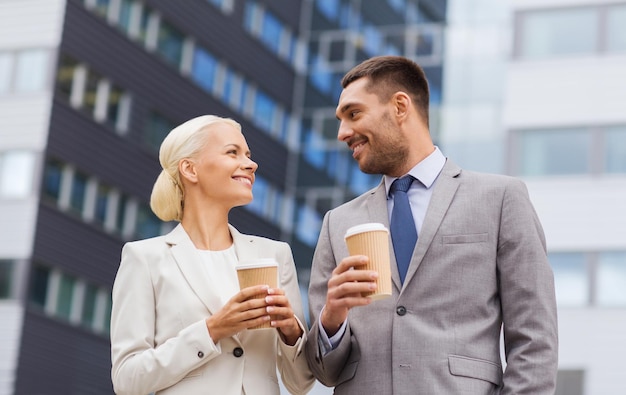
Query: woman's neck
x,y
207,228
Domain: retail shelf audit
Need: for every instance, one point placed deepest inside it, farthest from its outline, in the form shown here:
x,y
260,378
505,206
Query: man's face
x,y
370,130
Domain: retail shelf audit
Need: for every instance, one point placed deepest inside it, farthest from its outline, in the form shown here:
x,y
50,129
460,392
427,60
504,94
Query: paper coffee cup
x,y
258,272
372,240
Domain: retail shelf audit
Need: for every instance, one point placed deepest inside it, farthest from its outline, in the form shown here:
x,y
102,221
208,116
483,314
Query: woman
x,y
178,322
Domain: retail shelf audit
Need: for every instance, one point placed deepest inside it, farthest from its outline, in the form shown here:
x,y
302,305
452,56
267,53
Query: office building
x,y
536,89
88,90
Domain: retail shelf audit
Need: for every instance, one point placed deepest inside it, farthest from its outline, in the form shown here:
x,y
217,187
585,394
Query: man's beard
x,y
391,152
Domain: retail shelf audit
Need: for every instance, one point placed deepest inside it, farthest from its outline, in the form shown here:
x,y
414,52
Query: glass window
x,y
615,150
114,102
31,70
91,92
107,315
170,44
148,225
554,152
16,174
308,225
102,204
39,286
570,278
78,192
611,279
65,76
329,8
314,152
125,15
616,29
65,296
101,7
203,69
271,31
264,108
52,180
260,191
157,127
89,305
121,213
558,32
6,72
6,278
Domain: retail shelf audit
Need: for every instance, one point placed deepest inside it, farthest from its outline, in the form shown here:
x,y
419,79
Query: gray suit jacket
x,y
159,339
479,266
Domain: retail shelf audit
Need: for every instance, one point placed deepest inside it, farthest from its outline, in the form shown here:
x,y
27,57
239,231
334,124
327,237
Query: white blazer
x,y
159,339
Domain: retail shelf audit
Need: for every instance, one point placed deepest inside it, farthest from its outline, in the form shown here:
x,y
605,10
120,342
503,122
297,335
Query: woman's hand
x,y
283,317
241,312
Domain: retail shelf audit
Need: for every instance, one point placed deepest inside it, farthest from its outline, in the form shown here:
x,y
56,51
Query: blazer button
x,y
237,352
200,354
401,310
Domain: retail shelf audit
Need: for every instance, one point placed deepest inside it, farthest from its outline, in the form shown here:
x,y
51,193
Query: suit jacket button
x,y
200,354
237,352
401,310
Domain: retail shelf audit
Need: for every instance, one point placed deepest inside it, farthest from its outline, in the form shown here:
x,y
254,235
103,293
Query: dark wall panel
x,y
56,359
155,86
76,247
225,37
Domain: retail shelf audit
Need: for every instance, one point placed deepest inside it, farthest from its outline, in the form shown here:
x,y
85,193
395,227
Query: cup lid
x,y
256,263
368,227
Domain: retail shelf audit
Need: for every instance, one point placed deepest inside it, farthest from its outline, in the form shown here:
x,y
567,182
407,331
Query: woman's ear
x,y
187,170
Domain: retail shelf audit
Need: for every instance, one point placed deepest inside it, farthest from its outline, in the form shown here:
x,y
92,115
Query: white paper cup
x,y
372,240
258,272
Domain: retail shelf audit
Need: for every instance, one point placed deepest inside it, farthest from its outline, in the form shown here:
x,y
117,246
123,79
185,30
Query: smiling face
x,y
223,171
370,130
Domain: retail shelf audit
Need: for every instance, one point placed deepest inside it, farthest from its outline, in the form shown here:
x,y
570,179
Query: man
x,y
478,267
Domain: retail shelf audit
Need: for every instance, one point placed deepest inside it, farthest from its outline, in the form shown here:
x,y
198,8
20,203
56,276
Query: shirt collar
x,y
426,171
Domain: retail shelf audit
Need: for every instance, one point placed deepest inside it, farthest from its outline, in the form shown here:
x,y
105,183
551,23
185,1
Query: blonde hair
x,y
184,141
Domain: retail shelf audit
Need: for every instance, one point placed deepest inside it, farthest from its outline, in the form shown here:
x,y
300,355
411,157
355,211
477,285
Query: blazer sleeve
x,y
138,366
528,298
330,369
291,360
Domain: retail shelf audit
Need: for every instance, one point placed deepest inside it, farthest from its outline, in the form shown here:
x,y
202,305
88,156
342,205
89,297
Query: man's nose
x,y
344,132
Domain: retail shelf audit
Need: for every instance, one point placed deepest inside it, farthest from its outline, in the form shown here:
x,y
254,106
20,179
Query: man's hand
x,y
345,289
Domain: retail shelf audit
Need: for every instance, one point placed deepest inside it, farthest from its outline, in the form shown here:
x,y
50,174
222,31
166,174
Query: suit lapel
x,y
445,188
377,212
190,264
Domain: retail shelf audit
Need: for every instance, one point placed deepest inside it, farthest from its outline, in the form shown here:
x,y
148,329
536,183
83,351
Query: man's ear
x,y
187,170
402,104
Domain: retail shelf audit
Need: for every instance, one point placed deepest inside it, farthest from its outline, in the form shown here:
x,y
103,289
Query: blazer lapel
x,y
190,264
445,188
377,212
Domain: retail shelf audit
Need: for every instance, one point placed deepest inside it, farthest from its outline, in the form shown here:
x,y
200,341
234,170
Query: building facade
x,y
88,90
536,89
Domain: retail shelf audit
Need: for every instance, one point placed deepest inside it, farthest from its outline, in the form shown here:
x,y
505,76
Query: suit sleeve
x,y
527,296
138,366
328,368
291,360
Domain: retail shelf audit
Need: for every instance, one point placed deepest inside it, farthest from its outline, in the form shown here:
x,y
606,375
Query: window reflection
x,y
555,152
615,147
6,70
559,32
570,277
616,29
16,173
611,277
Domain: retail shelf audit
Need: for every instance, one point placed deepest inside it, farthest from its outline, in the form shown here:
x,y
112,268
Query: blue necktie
x,y
403,233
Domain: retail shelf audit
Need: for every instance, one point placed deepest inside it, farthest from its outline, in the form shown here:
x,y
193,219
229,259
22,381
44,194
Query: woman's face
x,y
224,170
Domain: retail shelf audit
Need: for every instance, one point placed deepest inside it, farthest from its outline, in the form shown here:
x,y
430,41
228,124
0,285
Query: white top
x,y
219,267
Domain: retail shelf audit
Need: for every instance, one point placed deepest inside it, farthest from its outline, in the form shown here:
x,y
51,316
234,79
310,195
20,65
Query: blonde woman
x,y
179,322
